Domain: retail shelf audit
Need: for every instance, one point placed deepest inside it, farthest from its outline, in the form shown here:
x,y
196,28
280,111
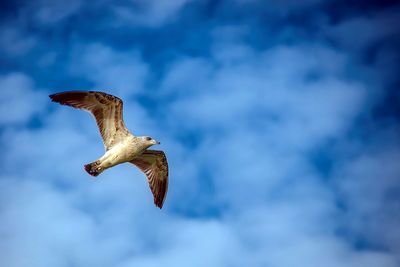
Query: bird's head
x,y
149,141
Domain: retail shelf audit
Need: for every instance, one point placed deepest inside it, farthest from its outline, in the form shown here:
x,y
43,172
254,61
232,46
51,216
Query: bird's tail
x,y
93,168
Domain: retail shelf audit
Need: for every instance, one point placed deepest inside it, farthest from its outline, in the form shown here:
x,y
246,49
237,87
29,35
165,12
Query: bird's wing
x,y
154,164
106,109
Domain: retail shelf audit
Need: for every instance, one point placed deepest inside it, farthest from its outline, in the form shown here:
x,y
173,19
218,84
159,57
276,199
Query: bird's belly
x,y
118,155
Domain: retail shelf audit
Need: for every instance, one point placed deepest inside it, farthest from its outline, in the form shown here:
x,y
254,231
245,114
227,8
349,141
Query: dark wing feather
x,y
154,164
106,109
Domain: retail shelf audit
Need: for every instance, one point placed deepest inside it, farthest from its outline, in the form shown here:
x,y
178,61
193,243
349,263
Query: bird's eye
x,y
148,138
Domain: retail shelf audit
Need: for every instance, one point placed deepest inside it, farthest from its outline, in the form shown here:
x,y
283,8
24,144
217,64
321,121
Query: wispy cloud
x,y
148,13
107,68
17,99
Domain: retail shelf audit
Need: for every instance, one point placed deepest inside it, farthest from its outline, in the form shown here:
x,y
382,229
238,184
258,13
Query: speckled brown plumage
x,y
120,145
154,164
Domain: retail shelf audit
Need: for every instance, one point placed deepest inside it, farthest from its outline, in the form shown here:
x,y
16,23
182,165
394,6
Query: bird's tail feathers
x,y
93,168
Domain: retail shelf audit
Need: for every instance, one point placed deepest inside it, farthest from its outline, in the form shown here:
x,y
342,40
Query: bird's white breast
x,y
122,152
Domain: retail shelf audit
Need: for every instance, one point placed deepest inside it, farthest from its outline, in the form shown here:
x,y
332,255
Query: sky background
x,y
280,121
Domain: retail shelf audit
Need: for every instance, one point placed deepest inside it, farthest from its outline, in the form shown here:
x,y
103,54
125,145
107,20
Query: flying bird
x,y
120,145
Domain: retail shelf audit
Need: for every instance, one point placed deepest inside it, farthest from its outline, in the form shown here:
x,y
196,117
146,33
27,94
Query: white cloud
x,y
277,8
374,28
368,182
116,72
52,12
59,234
19,100
186,244
15,42
272,87
151,13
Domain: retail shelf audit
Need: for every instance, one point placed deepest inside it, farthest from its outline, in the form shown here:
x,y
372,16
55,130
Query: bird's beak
x,y
158,142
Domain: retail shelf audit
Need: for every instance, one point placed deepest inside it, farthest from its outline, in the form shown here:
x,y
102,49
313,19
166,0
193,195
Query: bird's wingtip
x,y
158,204
52,97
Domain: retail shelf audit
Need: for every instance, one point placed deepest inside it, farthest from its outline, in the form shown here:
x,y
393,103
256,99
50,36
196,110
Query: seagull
x,y
120,145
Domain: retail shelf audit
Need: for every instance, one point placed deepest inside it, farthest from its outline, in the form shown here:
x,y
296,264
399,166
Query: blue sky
x,y
280,120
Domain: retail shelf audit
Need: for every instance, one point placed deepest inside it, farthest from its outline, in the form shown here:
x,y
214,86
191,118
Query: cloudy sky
x,y
280,120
